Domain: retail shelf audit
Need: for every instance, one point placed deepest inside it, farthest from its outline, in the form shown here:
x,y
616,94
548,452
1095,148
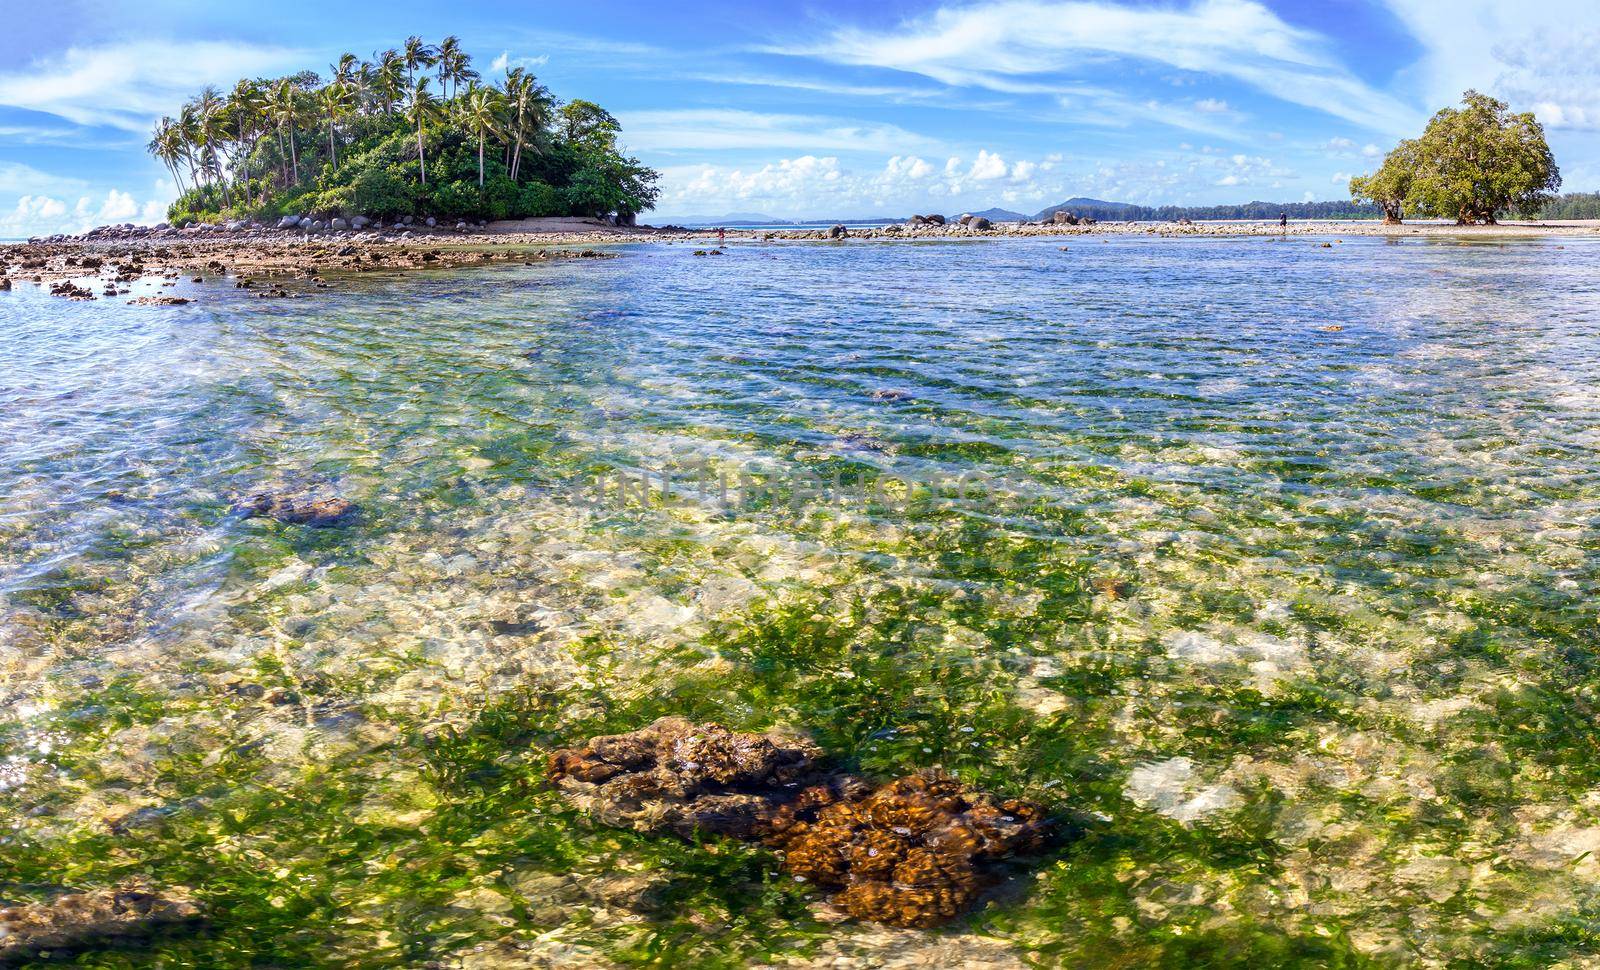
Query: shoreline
x,y
141,262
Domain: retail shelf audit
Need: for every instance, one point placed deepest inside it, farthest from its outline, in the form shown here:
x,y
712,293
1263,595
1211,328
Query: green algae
x,y
1354,635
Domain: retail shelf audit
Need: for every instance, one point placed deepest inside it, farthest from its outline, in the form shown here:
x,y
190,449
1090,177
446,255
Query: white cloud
x,y
870,91
1025,46
1537,54
813,185
129,85
504,62
910,168
42,215
987,166
1211,106
718,129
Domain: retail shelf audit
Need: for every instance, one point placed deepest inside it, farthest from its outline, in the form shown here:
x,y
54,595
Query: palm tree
x,y
208,115
343,70
417,54
335,107
247,107
166,144
189,138
529,105
361,85
421,109
450,59
285,111
480,112
387,82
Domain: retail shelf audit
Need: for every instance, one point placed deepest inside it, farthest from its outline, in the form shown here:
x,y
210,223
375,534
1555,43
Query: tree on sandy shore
x,y
1472,164
1388,186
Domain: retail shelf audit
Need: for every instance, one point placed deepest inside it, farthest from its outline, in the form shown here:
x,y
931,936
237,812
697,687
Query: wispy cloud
x,y
1028,46
841,88
504,62
717,129
19,179
128,85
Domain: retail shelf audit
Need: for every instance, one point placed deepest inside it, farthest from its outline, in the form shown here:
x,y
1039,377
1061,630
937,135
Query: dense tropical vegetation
x,y
1472,164
414,131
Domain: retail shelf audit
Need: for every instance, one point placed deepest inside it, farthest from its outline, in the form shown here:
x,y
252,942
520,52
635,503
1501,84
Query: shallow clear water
x,y
1269,566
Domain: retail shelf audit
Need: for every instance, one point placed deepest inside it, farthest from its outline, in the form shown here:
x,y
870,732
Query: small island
x,y
413,134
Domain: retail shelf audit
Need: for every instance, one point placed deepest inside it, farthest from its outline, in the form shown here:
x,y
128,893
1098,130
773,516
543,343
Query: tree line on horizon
x,y
414,131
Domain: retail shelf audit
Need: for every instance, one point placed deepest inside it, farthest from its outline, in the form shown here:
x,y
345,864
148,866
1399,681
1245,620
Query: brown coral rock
x,y
690,779
84,919
915,852
297,509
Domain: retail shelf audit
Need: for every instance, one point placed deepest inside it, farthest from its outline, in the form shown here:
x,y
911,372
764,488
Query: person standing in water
x,y
1283,220
722,235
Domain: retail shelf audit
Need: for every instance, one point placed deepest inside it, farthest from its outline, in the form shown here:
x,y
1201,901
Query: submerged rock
x,y
916,852
82,919
298,508
693,779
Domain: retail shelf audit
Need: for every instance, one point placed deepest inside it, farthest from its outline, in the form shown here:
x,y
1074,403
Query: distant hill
x,y
1128,212
1002,215
1094,208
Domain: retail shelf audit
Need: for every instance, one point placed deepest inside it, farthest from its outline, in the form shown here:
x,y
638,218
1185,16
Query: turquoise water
x,y
1270,568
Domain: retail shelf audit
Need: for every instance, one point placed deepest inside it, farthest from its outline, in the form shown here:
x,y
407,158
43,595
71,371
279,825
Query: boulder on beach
x,y
306,222
338,225
289,222
838,232
360,222
964,218
1062,217
978,224
432,222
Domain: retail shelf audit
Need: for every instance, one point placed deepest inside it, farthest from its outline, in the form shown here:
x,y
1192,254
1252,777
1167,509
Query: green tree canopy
x,y
412,132
1472,164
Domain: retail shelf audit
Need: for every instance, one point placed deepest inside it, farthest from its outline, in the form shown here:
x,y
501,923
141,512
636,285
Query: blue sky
x,y
831,108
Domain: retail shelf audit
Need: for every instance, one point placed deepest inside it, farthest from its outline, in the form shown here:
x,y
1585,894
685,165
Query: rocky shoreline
x,y
967,227
292,258
139,262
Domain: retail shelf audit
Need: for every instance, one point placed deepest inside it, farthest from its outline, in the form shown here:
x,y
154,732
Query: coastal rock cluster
x,y
75,270
84,919
916,852
299,508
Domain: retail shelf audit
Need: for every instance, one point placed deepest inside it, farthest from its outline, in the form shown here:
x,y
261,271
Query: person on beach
x,y
1283,220
722,235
